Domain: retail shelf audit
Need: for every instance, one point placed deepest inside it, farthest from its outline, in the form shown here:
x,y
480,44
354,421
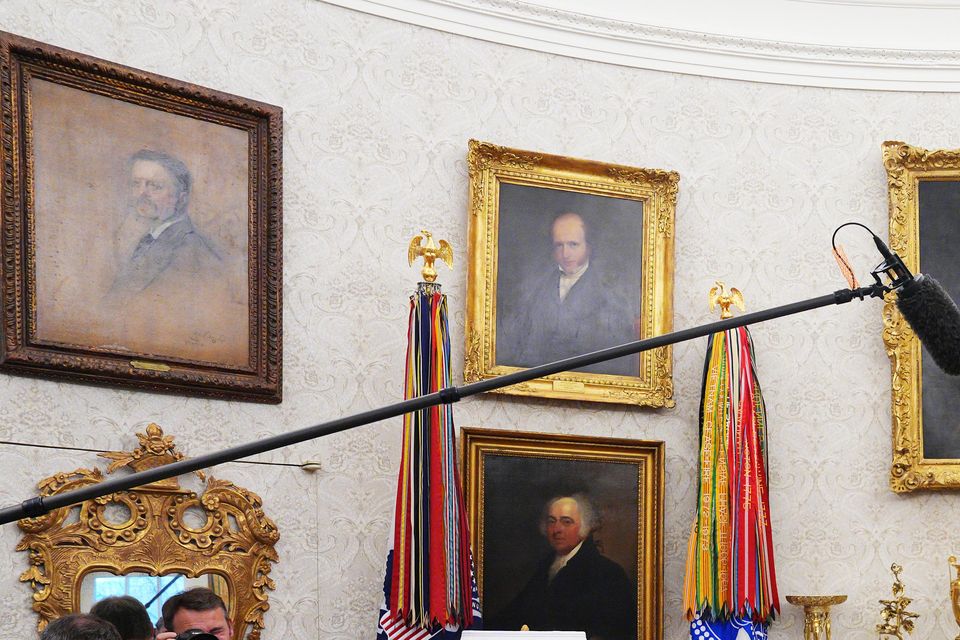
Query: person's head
x,y
570,236
80,626
127,614
198,608
567,521
159,185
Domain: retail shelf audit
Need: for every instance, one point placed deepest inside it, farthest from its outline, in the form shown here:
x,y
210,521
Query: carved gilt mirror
x,y
151,542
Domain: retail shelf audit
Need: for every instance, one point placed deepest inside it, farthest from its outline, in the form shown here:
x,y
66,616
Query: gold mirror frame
x,y
491,166
236,542
906,167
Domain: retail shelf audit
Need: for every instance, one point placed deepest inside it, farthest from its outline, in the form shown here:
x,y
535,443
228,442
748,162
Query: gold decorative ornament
x,y
719,296
497,279
816,614
907,167
955,591
159,536
429,252
895,619
149,366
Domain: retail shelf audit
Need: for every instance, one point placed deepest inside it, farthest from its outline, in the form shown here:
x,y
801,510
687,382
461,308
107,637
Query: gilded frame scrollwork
x,y
907,166
236,542
654,191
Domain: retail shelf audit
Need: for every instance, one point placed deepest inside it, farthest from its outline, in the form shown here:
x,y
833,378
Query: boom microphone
x,y
925,305
935,318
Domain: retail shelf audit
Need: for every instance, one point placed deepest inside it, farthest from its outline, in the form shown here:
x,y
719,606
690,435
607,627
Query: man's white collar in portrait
x,y
567,280
160,228
561,561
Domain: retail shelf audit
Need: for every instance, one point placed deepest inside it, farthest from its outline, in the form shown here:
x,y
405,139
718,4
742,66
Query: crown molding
x,y
887,4
538,28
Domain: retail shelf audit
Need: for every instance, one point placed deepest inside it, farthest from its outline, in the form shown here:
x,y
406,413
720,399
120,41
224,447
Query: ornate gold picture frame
x,y
142,235
614,580
924,190
569,256
158,529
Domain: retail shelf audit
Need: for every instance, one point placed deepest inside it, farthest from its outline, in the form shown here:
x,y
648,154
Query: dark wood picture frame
x,y
82,299
510,476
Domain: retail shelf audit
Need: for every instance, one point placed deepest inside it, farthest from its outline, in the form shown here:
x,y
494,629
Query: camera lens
x,y
196,634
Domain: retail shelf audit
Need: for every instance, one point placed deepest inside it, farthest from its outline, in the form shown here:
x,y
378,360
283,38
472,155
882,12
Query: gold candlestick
x,y
955,590
816,614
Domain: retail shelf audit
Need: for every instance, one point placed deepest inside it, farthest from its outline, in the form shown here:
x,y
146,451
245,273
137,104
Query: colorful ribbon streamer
x,y
429,588
730,577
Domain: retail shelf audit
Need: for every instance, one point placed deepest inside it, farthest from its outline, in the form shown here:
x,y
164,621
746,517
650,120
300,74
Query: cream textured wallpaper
x,y
377,118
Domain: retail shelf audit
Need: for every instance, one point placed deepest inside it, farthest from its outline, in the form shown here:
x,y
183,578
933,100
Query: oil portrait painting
x,y
586,247
566,532
569,256
150,212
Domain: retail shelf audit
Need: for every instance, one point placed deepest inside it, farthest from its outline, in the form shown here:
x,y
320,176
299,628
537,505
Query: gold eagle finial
x,y
430,252
719,296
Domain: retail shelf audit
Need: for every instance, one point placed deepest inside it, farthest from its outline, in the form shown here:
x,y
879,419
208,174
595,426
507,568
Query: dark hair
x,y
196,599
175,166
127,614
80,626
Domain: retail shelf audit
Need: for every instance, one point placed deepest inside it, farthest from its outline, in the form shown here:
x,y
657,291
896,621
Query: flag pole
x,y
38,506
429,590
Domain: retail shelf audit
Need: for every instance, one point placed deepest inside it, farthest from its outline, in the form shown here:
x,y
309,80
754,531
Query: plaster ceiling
x,y
868,44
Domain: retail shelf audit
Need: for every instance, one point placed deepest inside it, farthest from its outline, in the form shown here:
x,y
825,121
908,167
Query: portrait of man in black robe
x,y
575,587
561,548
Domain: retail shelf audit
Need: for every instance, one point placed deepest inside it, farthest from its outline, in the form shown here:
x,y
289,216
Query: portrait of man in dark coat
x,y
171,249
145,224
575,587
574,306
181,287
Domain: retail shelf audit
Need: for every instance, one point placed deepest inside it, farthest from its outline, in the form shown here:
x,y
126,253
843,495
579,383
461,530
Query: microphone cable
x,y
922,301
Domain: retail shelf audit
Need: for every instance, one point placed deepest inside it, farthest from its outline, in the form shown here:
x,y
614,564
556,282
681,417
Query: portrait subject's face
x,y
212,621
154,193
563,525
570,248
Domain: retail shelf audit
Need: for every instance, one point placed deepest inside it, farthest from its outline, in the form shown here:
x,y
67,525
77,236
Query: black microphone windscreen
x,y
935,318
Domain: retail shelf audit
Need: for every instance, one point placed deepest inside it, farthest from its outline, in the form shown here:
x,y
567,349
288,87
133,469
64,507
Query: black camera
x,y
195,634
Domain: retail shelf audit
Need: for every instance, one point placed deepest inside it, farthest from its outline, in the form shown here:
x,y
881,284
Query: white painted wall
x,y
377,117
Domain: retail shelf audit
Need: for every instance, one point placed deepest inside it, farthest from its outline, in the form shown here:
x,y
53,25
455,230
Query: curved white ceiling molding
x,y
716,50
